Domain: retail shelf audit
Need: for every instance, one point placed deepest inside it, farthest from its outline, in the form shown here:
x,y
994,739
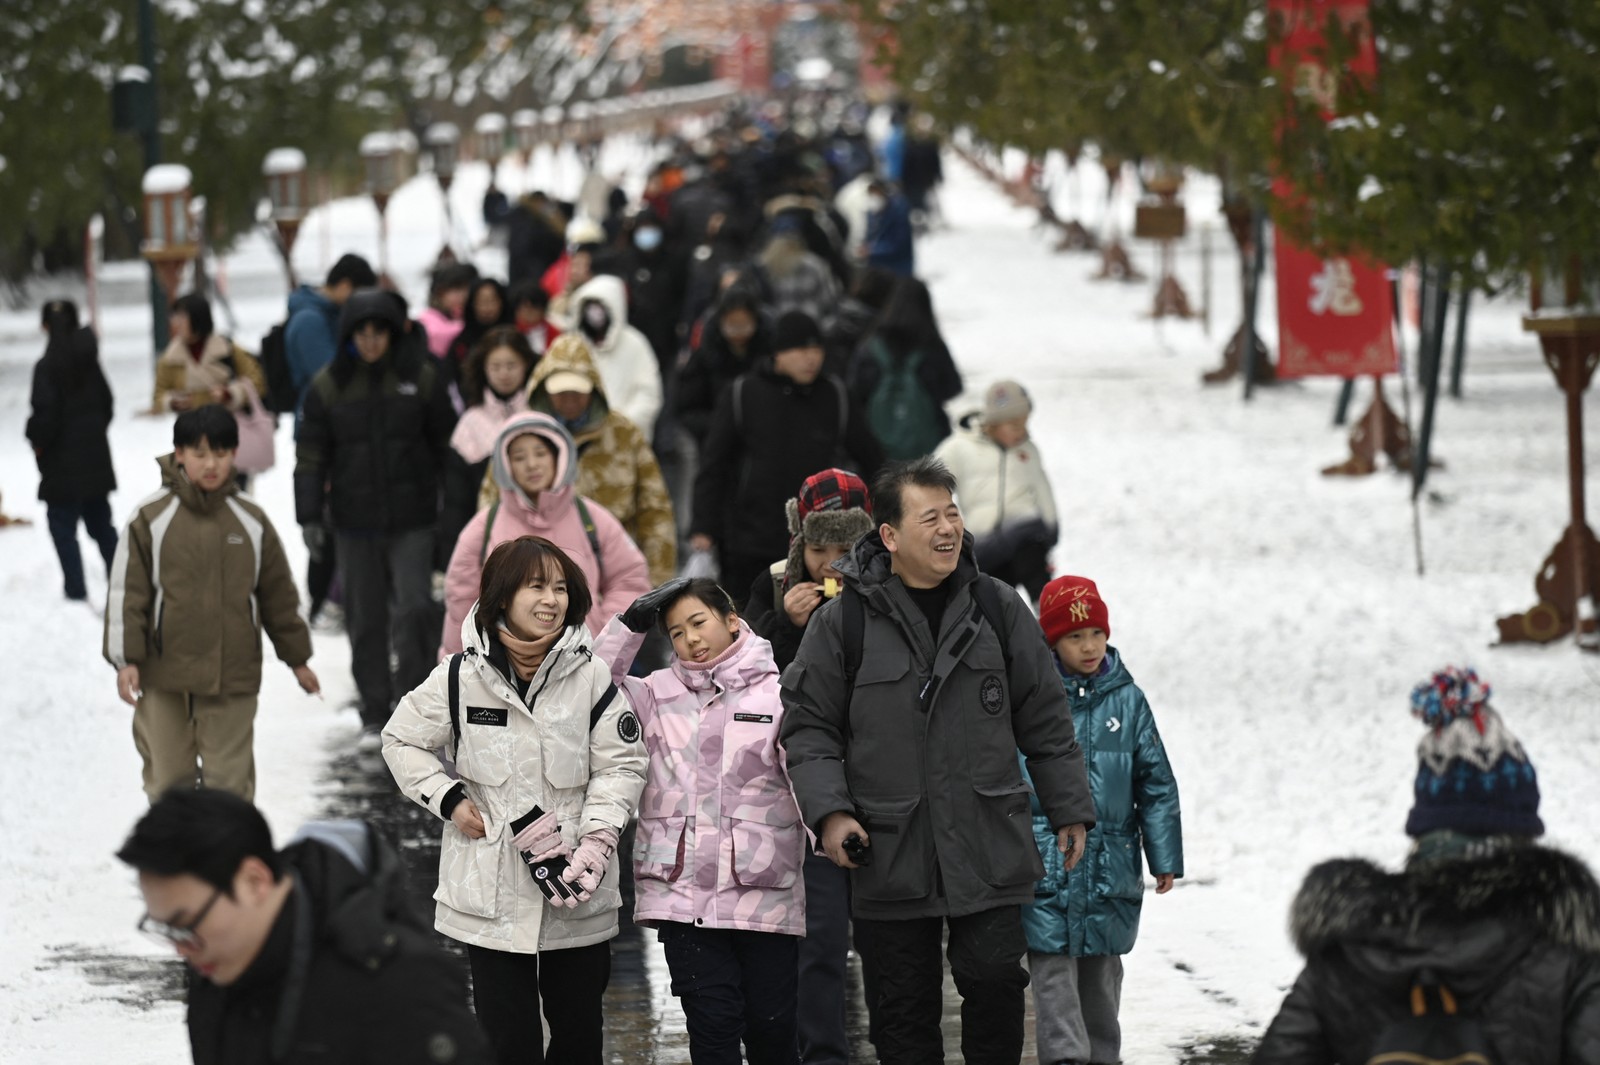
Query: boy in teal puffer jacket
x,y
1080,925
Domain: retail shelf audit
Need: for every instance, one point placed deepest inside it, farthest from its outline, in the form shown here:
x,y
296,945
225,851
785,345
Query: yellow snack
x,y
830,587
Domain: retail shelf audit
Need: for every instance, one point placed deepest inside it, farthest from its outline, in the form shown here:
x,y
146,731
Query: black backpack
x,y
281,397
1436,1033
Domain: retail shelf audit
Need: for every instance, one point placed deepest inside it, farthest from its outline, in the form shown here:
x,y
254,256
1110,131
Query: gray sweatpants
x,y
1075,1004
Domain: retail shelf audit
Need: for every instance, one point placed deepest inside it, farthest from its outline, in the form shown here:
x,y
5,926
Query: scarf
x,y
197,348
526,655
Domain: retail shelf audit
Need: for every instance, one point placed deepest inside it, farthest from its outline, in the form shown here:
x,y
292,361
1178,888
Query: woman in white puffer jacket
x,y
551,764
1002,488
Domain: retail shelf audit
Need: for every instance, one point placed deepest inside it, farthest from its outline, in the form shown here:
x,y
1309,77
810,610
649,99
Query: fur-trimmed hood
x,y
1470,918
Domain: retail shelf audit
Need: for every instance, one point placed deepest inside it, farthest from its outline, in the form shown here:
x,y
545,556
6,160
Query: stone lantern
x,y
379,154
526,125
443,141
489,133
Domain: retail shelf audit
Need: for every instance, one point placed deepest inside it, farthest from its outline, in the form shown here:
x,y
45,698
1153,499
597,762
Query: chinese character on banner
x,y
1334,314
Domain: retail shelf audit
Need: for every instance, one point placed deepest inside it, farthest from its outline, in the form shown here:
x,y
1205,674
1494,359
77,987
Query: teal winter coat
x,y
1094,909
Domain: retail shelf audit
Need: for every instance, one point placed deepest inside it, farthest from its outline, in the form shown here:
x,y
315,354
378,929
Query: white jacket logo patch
x,y
1113,724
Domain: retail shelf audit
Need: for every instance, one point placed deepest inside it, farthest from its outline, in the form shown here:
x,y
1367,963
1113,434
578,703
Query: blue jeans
x,y
734,987
63,520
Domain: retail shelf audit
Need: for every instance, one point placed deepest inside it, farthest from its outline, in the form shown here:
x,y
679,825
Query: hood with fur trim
x,y
551,431
1469,918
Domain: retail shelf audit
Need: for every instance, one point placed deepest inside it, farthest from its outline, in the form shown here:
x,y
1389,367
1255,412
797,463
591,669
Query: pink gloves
x,y
588,862
542,840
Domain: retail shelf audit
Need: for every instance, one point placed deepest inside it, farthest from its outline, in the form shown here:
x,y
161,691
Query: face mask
x,y
596,322
647,239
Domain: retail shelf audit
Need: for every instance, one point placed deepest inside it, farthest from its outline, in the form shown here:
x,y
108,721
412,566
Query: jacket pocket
x,y
1004,830
766,855
566,757
1055,866
658,849
469,872
902,852
1121,871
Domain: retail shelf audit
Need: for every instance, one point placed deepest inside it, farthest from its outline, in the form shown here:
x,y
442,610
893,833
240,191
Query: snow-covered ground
x,y
1273,616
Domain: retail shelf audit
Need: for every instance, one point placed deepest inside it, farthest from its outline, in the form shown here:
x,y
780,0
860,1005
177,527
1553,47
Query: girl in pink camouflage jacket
x,y
720,843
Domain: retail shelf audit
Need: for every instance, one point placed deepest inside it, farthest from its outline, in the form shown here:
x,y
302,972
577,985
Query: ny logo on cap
x,y
1080,611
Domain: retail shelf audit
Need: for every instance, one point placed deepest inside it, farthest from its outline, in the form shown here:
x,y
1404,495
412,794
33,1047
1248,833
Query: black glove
x,y
551,862
315,534
641,616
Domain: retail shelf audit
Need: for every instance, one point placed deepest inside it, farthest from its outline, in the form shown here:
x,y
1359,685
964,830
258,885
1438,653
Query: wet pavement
x,y
644,1025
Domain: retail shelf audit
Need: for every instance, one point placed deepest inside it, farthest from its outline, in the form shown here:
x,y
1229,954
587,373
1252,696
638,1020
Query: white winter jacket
x,y
576,751
996,486
625,359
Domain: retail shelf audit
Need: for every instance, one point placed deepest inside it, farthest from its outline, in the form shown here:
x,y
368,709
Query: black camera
x,y
857,849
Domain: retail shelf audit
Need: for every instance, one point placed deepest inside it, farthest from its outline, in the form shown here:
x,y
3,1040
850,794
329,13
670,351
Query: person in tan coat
x,y
197,577
616,467
200,366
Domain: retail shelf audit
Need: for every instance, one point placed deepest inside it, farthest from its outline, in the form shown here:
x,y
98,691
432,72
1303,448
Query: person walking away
x,y
310,339
536,474
199,574
495,388
70,413
720,846
375,426
616,466
891,242
626,362
773,427
1005,497
832,510
300,955
1492,933
925,670
549,764
793,277
1080,926
903,374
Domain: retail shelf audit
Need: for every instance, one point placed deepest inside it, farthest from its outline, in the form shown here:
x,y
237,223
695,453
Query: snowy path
x,y
1273,617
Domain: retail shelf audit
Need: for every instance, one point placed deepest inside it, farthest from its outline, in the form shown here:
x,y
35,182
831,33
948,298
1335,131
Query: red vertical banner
x,y
1334,314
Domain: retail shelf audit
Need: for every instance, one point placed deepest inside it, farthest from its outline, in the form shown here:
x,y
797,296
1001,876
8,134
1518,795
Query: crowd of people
x,y
664,568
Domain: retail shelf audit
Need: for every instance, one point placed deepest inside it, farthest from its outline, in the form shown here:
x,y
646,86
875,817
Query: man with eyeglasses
x,y
302,956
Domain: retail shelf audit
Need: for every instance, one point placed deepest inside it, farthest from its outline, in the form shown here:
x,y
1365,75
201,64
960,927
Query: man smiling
x,y
905,708
299,954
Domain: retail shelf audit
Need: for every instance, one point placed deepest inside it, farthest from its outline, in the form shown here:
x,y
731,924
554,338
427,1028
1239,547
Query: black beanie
x,y
796,329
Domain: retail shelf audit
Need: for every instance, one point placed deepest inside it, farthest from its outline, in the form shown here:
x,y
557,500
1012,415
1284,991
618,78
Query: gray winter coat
x,y
934,778
1515,936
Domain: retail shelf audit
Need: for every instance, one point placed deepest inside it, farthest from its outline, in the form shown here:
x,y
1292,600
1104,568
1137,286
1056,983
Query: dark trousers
x,y
508,991
388,606
734,987
63,520
985,953
1018,554
736,573
320,574
819,1010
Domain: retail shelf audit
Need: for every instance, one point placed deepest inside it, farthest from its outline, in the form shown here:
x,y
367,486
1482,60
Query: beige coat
x,y
555,754
221,365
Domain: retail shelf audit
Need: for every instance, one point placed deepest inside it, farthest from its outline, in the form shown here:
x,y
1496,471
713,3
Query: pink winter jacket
x,y
613,585
720,844
441,330
479,426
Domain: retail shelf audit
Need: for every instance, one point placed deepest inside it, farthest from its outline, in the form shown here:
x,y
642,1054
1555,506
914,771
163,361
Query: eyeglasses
x,y
184,935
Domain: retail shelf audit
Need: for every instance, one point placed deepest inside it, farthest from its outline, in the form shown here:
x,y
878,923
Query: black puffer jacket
x,y
337,981
71,410
373,437
1515,936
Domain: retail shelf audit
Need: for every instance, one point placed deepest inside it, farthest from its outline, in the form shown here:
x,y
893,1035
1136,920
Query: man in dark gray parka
x,y
919,760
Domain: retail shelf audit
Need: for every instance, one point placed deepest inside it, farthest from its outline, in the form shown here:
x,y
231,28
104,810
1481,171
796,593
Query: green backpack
x,y
904,418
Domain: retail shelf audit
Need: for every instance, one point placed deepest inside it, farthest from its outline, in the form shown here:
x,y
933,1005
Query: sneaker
x,y
371,739
329,619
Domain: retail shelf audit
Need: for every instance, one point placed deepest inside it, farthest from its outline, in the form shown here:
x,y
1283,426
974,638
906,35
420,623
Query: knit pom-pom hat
x,y
832,507
1472,774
